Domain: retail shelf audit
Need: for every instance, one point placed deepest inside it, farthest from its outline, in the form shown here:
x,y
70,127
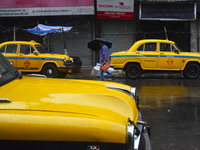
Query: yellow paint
x,y
154,60
34,62
76,110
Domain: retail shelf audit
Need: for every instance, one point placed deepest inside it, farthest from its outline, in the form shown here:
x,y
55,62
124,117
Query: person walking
x,y
103,59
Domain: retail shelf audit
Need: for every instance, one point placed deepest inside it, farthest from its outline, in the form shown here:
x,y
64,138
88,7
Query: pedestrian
x,y
103,59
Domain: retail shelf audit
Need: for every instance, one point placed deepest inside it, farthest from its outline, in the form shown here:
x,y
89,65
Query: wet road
x,y
171,106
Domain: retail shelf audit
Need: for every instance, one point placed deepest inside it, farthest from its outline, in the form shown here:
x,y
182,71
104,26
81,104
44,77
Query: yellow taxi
x,y
53,113
32,57
154,54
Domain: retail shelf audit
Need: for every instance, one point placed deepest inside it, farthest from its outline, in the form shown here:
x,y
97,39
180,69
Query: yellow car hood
x,y
80,106
51,55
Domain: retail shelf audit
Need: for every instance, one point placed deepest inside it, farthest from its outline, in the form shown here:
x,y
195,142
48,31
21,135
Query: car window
x,y
147,47
177,47
40,48
7,71
140,48
150,47
11,48
165,47
26,49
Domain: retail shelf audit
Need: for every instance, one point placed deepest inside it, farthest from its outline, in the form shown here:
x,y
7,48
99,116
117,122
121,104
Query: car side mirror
x,y
35,52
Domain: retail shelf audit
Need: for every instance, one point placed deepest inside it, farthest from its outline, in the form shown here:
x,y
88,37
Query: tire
x,y
191,71
50,71
145,142
133,71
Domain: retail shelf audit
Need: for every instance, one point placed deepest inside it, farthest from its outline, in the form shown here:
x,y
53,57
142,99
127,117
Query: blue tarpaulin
x,y
42,30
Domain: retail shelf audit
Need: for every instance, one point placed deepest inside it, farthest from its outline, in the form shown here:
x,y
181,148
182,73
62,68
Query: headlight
x,y
133,92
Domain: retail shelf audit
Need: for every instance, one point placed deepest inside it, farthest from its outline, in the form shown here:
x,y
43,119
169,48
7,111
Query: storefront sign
x,y
168,11
115,9
10,8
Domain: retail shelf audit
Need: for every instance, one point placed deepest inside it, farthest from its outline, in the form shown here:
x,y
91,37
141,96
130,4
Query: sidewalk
x,y
84,73
89,73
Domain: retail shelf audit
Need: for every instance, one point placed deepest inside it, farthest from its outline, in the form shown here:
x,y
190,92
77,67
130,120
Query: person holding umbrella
x,y
104,56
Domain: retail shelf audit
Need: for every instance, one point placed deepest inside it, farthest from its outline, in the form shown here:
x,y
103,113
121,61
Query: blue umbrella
x,y
42,30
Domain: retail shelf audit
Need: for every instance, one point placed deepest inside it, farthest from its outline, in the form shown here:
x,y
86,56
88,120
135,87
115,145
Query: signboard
x,y
10,8
115,9
168,11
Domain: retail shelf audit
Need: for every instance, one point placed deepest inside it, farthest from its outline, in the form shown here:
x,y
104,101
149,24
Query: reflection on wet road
x,y
172,109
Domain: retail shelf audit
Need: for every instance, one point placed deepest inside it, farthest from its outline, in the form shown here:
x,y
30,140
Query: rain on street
x,y
171,106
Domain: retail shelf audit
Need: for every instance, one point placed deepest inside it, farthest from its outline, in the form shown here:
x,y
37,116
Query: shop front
x,y
167,19
22,14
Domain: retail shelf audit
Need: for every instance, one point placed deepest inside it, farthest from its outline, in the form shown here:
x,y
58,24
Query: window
x,y
150,47
147,47
12,48
140,48
26,49
40,48
164,47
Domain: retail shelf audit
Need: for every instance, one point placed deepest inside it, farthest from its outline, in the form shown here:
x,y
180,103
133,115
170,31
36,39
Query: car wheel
x,y
145,143
50,71
133,71
191,71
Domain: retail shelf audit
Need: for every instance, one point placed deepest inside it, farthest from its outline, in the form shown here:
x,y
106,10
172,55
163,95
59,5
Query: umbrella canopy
x,y
94,44
42,30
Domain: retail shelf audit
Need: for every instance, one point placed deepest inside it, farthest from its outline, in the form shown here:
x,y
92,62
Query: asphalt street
x,y
171,106
172,109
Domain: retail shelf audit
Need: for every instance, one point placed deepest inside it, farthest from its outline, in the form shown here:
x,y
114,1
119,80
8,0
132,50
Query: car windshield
x,y
40,48
7,71
178,47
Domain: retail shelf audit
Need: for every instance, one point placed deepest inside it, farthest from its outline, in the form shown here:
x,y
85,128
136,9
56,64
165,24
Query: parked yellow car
x,y
153,54
32,57
44,113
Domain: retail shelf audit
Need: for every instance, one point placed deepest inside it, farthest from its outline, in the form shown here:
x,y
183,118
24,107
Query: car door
x,y
168,59
27,61
10,52
148,55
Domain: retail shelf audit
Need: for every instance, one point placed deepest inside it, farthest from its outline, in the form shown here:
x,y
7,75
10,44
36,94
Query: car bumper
x,y
67,65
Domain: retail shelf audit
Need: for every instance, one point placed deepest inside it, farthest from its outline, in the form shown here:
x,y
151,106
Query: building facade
x,y
121,22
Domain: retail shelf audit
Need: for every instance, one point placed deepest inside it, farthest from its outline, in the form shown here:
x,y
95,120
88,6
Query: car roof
x,y
21,42
154,40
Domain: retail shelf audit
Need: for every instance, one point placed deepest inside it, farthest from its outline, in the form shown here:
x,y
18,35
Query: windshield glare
x,y
7,71
40,48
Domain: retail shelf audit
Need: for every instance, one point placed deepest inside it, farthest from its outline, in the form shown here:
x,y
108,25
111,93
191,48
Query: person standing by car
x,y
103,59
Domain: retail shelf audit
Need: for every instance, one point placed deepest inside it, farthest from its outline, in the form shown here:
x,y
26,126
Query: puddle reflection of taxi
x,y
32,57
152,54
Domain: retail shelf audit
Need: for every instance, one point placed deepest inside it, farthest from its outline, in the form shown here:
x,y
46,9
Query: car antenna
x,y
165,33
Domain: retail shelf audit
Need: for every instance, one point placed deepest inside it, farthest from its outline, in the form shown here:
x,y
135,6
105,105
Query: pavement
x,y
84,73
92,73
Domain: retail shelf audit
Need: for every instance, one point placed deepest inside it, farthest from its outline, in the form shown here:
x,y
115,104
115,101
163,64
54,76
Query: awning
x,y
42,30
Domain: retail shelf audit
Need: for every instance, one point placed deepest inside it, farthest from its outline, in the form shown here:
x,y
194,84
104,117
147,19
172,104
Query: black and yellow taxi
x,y
159,55
32,57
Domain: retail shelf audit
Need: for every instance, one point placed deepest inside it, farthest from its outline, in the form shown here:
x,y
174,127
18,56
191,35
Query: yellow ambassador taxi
x,y
53,113
154,54
32,57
